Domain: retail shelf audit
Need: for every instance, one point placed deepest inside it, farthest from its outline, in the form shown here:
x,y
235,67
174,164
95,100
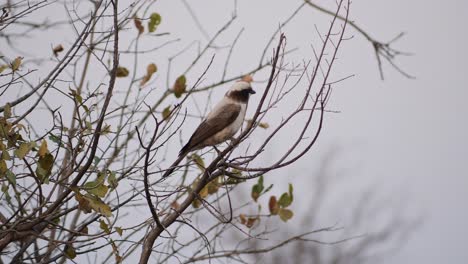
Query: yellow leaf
x,y
264,125
204,192
150,70
3,67
23,150
43,149
285,214
99,206
16,63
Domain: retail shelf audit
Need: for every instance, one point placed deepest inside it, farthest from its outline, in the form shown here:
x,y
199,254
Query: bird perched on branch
x,y
222,123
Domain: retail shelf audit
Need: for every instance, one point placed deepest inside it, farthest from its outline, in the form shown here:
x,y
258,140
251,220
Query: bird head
x,y
240,91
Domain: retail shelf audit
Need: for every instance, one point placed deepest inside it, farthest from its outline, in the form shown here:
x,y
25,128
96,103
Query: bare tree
x,y
86,139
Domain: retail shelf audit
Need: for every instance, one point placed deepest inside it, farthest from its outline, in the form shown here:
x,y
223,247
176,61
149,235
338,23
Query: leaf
x,y
112,180
291,192
23,150
257,189
57,49
16,63
70,252
104,227
196,203
5,155
7,111
3,168
264,125
285,214
138,25
119,230
44,167
213,186
121,72
3,67
96,188
273,205
180,86
198,161
11,177
285,200
150,70
251,221
166,112
43,149
155,20
204,192
99,206
83,203
243,219
56,139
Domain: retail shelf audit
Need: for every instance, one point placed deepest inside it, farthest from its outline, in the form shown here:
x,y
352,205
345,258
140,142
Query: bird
x,y
221,124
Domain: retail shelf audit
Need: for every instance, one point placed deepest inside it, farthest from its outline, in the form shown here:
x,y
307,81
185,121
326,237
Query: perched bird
x,y
221,124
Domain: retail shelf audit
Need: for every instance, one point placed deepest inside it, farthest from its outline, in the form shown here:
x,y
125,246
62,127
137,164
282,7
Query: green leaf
x,y
166,112
5,155
119,230
70,252
257,189
23,150
291,192
180,86
155,20
44,167
104,227
285,214
11,177
285,200
56,139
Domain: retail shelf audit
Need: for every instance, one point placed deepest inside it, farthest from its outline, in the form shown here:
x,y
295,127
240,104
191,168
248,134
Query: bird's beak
x,y
251,91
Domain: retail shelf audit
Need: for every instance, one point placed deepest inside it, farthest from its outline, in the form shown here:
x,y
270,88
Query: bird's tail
x,y
175,163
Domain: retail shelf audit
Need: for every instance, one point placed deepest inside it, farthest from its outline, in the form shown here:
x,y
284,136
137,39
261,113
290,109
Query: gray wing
x,y
213,125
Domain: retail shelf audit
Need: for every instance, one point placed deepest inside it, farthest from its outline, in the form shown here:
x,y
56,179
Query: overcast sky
x,y
407,136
